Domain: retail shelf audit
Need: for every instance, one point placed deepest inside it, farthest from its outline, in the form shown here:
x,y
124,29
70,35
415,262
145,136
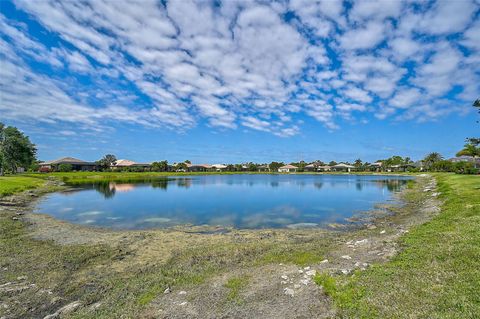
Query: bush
x,y
65,168
465,168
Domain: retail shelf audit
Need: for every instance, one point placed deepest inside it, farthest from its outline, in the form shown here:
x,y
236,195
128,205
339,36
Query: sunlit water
x,y
241,201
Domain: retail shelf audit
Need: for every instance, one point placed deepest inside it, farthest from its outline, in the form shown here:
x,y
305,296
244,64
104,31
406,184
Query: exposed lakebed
x,y
241,201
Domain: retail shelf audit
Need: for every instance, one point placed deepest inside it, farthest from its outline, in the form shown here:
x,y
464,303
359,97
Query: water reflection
x,y
108,189
243,201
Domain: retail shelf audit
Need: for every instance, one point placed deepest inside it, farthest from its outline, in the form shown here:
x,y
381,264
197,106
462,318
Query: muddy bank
x,y
199,272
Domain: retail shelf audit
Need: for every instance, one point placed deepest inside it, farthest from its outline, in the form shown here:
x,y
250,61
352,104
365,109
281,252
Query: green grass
x,y
295,255
235,286
14,184
437,275
48,266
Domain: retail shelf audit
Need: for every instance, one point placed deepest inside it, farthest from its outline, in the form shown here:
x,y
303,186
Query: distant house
x,y
199,167
77,164
343,167
287,169
464,158
124,163
317,167
263,168
313,167
377,166
420,165
324,168
219,167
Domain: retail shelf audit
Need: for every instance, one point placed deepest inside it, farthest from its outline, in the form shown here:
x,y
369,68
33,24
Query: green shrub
x,y
65,168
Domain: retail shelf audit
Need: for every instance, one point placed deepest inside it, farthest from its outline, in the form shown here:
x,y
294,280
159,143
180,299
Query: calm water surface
x,y
242,201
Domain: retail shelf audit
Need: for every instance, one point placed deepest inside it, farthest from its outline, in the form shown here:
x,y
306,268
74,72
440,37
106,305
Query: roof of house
x,y
343,165
288,166
199,165
124,162
465,158
219,166
376,164
65,160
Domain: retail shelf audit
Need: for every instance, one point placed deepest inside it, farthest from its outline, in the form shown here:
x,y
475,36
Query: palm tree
x,y
432,158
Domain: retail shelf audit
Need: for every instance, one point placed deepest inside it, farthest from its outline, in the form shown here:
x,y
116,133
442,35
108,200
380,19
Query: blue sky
x,y
235,81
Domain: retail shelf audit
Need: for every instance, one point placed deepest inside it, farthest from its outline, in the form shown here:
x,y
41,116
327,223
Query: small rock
x,y
289,291
300,271
182,303
371,227
284,277
311,272
283,282
346,257
183,292
324,261
95,306
15,218
304,281
22,278
306,268
296,286
167,291
64,310
383,232
345,271
361,242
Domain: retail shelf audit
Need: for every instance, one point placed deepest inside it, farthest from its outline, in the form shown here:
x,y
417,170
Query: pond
x,y
242,201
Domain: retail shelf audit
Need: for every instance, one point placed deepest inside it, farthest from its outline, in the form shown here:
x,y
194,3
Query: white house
x,y
219,167
343,167
287,169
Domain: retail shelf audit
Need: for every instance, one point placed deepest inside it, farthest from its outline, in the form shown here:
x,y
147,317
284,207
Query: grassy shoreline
x,y
437,274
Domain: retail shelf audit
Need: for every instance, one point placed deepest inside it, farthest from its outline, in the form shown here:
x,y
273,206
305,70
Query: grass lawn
x,y
13,184
437,275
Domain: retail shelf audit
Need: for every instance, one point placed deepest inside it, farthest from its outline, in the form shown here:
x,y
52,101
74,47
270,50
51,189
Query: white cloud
x,y
363,38
447,17
406,98
378,9
404,48
358,94
471,37
236,64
